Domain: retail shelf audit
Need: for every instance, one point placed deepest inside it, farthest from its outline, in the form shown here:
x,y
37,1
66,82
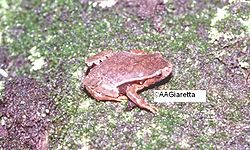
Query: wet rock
x,y
17,31
26,110
84,2
145,9
4,58
148,8
181,6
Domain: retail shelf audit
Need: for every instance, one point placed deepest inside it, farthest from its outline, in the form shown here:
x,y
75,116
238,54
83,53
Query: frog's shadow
x,y
157,84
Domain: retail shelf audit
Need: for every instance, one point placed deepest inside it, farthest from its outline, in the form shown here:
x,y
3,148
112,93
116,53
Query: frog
x,y
121,75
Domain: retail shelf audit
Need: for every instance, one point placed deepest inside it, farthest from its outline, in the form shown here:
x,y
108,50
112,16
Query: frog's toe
x,y
152,109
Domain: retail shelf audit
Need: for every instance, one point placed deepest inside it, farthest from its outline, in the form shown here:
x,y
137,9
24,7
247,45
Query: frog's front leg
x,y
137,99
101,97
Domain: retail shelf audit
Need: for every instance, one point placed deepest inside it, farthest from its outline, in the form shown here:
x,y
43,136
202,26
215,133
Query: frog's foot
x,y
96,59
138,100
100,97
138,52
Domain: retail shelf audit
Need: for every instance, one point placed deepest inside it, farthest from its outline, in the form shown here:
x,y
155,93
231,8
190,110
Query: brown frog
x,y
115,76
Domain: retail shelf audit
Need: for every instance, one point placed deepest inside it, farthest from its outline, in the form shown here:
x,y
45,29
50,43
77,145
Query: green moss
x,y
235,116
65,33
231,24
156,134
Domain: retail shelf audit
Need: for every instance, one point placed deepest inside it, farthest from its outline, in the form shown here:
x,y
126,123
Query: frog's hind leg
x,y
101,97
137,99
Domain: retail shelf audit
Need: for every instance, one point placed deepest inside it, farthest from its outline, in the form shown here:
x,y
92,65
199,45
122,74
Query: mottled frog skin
x,y
115,76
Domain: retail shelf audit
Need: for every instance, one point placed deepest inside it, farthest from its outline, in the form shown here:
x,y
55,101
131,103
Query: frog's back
x,y
124,67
